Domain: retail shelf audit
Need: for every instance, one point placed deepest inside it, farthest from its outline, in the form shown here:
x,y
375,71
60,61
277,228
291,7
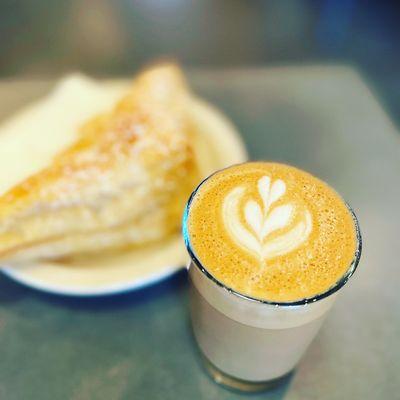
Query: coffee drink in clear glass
x,y
270,246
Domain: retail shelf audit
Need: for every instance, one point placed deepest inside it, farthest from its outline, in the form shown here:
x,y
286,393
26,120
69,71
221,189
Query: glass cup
x,y
247,343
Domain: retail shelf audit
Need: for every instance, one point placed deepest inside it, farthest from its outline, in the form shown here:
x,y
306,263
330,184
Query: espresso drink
x,y
270,245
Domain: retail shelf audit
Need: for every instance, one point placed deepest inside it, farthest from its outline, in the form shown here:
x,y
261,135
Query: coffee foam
x,y
271,231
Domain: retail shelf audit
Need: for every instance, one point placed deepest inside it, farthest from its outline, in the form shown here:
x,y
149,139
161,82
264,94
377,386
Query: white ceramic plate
x,y
217,145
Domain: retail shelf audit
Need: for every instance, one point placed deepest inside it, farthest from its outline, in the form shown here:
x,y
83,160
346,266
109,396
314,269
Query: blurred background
x,y
47,38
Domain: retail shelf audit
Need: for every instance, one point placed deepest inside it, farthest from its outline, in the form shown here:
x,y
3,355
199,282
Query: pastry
x,y
122,182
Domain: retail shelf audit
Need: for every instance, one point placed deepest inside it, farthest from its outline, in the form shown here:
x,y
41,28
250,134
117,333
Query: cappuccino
x,y
270,246
271,231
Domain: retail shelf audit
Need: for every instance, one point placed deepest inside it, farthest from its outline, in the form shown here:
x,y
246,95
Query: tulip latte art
x,y
271,231
261,220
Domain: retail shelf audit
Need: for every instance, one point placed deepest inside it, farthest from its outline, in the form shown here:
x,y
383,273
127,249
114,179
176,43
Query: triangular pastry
x,y
123,182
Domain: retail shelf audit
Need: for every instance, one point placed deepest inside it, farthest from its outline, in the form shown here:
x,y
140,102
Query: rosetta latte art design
x,y
261,220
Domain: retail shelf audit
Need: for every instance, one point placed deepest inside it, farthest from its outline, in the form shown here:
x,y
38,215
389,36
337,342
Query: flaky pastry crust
x,y
123,182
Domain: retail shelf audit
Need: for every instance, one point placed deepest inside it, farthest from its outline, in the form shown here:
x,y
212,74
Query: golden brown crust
x,y
127,164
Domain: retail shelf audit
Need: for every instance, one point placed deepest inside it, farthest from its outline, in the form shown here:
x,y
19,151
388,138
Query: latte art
x,y
271,231
265,219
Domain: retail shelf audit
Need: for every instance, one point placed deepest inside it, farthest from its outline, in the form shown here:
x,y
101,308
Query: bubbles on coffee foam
x,y
263,219
307,244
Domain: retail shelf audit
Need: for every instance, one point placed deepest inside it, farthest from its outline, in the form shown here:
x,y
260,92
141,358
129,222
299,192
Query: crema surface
x,y
271,231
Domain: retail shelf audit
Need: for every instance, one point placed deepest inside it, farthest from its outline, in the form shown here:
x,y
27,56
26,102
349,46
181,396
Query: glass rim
x,y
308,300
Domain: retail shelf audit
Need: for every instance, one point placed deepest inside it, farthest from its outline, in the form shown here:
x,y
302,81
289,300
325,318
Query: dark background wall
x,y
50,37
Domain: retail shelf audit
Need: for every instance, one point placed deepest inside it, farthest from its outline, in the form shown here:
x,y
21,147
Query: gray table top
x,y
139,346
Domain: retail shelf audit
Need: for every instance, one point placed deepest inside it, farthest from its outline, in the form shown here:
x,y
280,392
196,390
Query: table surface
x,y
138,345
